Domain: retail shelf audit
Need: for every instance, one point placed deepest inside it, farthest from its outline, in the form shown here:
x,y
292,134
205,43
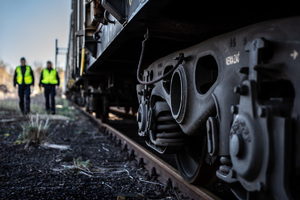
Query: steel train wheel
x,y
191,162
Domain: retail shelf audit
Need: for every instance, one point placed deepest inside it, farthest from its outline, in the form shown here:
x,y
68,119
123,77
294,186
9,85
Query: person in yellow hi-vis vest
x,y
50,81
24,79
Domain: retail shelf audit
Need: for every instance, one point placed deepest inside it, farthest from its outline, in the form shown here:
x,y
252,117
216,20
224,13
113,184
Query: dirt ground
x,y
74,161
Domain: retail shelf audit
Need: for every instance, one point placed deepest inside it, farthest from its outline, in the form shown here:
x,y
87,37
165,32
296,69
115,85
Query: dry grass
x,y
13,104
80,166
35,131
37,105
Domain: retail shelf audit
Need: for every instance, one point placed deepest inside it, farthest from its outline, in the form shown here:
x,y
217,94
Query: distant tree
x,y
37,70
37,64
6,77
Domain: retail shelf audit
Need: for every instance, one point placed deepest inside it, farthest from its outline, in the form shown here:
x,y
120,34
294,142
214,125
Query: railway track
x,y
160,169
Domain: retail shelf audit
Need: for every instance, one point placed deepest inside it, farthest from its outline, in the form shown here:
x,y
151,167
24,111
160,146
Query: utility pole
x,y
59,50
56,52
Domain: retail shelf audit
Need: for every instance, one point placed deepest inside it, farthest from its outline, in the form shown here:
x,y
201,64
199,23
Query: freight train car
x,y
219,92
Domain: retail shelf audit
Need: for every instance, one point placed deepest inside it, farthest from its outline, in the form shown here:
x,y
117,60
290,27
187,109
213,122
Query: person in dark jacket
x,y
50,81
24,79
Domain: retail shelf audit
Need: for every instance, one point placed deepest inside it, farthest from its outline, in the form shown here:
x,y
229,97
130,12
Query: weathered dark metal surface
x,y
218,91
237,89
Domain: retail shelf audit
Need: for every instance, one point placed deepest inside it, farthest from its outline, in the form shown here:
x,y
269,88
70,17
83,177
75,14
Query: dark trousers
x,y
24,91
49,91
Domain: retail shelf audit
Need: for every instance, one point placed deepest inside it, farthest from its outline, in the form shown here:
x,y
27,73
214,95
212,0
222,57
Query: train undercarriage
x,y
228,107
218,92
98,93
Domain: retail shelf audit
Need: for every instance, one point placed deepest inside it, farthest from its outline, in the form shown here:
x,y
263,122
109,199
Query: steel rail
x,y
166,173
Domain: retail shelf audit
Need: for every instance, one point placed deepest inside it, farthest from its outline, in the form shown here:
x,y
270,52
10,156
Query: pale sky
x,y
28,28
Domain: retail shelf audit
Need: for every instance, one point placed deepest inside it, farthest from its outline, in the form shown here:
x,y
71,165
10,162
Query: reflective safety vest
x,y
49,77
27,75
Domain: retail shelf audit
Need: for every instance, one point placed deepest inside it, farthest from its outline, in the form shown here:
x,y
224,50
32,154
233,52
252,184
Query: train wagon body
x,y
219,92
